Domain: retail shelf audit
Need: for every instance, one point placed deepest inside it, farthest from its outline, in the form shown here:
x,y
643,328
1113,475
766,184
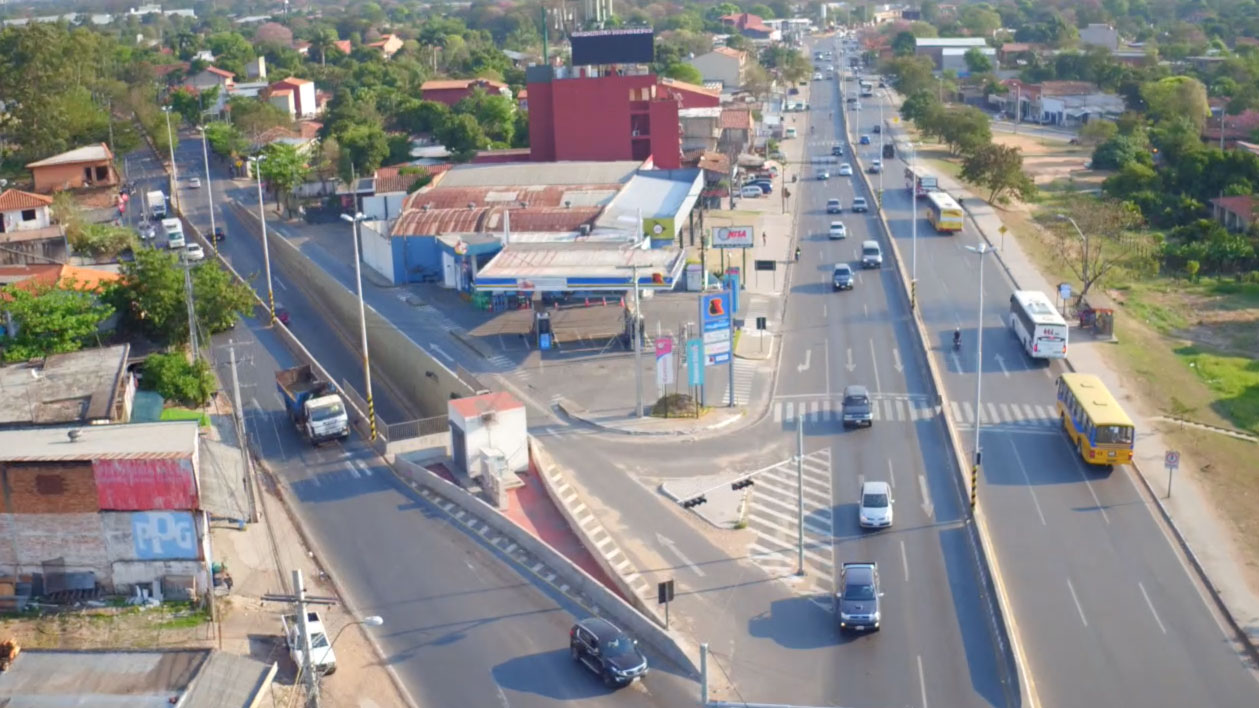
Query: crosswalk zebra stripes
x,y
889,408
772,518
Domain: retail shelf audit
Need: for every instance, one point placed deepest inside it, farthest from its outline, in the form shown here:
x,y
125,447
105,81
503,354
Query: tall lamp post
x,y
209,188
256,162
638,242
354,221
913,221
983,250
174,168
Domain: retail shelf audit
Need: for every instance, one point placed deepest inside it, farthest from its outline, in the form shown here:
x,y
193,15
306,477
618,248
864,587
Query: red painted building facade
x,y
578,114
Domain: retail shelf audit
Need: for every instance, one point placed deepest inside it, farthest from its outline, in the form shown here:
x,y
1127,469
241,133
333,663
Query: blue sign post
x,y
718,325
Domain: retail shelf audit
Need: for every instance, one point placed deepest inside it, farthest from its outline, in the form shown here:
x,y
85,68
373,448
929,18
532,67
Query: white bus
x,y
1037,324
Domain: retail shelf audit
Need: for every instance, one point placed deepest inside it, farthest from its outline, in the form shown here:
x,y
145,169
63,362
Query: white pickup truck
x,y
322,658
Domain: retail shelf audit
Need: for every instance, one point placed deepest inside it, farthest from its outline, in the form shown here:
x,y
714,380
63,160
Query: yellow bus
x,y
1103,434
944,213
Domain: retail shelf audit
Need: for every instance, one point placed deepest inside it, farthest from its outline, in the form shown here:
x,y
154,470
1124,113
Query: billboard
x,y
715,316
618,46
145,484
734,237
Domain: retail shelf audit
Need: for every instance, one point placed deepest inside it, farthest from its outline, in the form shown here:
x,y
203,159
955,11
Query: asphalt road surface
x,y
463,627
1107,611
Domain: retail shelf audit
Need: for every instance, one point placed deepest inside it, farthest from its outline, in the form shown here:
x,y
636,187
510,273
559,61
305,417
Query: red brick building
x,y
582,114
452,91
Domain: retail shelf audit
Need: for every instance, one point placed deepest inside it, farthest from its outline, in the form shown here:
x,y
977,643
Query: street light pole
x,y
913,220
880,155
209,188
362,318
174,169
983,250
266,251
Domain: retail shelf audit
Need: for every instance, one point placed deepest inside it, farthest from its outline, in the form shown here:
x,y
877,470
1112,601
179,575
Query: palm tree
x,y
324,39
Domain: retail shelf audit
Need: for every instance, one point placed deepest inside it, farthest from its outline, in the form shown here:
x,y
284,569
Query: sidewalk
x,y
1211,542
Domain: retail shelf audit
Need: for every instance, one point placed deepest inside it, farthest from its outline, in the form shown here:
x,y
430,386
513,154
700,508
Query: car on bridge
x,y
607,652
874,511
834,206
837,230
842,278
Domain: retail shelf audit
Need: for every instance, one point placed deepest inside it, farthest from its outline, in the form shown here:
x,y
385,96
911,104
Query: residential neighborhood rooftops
x,y
162,440
736,53
736,119
1067,88
440,84
77,387
445,196
52,274
192,678
1242,125
685,86
220,72
541,173
1245,205
952,42
549,260
88,153
14,199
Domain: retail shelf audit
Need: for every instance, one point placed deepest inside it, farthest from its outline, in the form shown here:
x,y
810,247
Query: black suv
x,y
607,651
857,602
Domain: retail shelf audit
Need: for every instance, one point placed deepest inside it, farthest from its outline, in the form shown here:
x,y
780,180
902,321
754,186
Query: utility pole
x,y
913,220
209,189
983,251
301,600
174,169
800,496
638,342
192,311
239,417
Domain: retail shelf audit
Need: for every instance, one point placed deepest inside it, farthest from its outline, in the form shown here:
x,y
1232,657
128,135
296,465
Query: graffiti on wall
x,y
164,535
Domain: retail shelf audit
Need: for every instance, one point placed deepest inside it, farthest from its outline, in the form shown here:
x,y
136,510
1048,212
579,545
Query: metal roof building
x,y
89,387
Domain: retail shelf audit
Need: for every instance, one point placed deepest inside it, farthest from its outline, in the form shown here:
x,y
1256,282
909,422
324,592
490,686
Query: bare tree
x,y
1095,237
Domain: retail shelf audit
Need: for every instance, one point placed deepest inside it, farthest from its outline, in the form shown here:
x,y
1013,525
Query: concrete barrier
x,y
586,533
1018,685
611,604
419,378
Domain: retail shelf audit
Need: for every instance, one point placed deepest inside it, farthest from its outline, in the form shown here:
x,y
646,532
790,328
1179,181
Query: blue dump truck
x,y
313,404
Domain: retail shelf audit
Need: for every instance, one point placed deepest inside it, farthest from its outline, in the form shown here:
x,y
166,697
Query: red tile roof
x,y
1238,127
736,53
692,88
220,72
746,20
447,84
391,179
291,82
1243,205
474,406
55,274
343,45
15,199
309,129
735,119
534,197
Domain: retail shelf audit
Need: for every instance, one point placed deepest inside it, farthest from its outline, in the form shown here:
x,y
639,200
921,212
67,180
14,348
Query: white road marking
x,y
904,561
891,478
875,365
922,682
668,543
1087,483
850,364
279,284
1001,362
826,363
896,357
1150,604
1079,608
927,507
441,352
808,356
1035,502
353,470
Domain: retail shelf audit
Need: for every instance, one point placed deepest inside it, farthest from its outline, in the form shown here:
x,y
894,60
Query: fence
x,y
417,428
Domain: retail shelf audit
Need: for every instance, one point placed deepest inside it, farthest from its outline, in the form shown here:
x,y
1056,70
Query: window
x,y
1114,434
28,215
50,484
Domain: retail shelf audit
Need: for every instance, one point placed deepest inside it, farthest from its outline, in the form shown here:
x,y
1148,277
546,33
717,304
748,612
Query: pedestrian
x,y
764,239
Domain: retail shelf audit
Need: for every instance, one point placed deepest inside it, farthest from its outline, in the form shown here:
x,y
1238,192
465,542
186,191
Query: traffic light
x,y
741,483
696,501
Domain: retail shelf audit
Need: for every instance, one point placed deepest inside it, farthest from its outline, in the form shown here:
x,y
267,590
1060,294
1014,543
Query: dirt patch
x,y
116,625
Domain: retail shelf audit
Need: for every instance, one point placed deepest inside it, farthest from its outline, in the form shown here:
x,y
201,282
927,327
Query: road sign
x,y
715,316
1064,290
695,362
765,265
664,362
761,322
664,592
1171,459
734,237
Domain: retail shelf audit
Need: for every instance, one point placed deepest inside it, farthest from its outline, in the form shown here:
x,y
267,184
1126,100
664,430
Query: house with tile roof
x,y
49,275
388,45
1238,213
212,77
27,234
294,95
1242,126
751,26
722,65
87,166
452,91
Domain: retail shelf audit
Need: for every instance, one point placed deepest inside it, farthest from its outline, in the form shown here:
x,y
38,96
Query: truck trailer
x,y
313,404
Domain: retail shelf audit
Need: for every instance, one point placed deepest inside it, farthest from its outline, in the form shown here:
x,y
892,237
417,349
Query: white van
x,y
789,133
750,191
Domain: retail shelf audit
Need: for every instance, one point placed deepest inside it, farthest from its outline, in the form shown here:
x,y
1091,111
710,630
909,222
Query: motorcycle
x,y
957,344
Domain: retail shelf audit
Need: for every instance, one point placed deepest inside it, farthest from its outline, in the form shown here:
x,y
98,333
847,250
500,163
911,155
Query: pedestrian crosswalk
x,y
772,517
913,408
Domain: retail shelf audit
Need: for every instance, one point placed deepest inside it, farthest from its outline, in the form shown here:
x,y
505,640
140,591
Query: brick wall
x,y
48,487
28,540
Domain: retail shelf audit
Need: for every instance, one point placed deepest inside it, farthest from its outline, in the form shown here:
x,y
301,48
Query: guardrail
x,y
1018,686
418,428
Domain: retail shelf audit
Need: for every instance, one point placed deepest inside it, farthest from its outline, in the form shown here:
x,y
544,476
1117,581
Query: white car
x,y
193,253
874,511
845,170
194,183
876,166
817,77
837,230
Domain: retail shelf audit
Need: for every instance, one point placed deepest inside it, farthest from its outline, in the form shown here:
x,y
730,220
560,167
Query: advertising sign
x,y
694,277
695,362
163,535
734,237
658,230
715,314
616,46
664,362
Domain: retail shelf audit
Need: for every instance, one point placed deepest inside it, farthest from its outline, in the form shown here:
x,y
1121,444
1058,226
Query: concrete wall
x,y
424,381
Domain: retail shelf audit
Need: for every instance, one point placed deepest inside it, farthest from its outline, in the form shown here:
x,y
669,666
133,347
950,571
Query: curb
x,y
568,410
1002,627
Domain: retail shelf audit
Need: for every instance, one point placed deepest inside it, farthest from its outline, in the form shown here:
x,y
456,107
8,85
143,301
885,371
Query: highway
x,y
778,641
1108,613
462,626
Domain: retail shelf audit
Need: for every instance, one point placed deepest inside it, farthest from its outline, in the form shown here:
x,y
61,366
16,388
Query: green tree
x,y
964,129
999,169
253,117
904,44
177,379
980,20
1177,96
1103,242
683,72
49,319
189,103
494,112
364,149
910,74
416,116
976,61
99,240
1176,138
1096,132
225,139
220,300
1121,150
231,51
284,168
919,105
322,40
151,298
399,148
756,80
462,136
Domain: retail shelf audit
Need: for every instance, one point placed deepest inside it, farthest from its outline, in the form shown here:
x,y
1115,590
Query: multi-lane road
x,y
464,625
1108,612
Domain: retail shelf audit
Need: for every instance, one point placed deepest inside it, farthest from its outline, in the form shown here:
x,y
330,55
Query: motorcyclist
x,y
957,337
797,253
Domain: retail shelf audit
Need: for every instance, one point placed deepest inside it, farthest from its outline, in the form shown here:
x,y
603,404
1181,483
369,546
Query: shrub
x,y
673,405
177,379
